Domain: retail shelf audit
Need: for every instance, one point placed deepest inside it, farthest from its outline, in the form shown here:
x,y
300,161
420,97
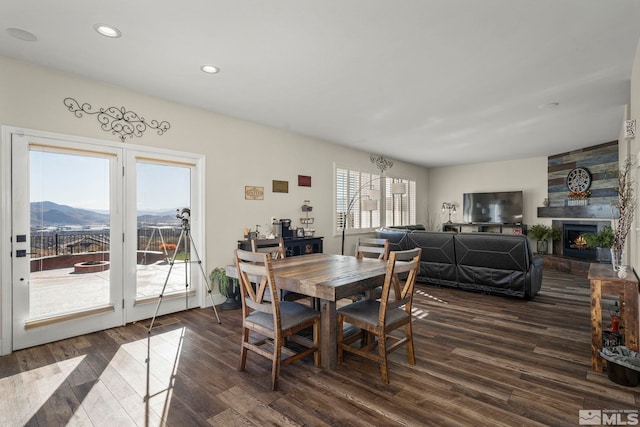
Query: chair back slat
x,y
254,269
372,248
397,291
273,247
262,307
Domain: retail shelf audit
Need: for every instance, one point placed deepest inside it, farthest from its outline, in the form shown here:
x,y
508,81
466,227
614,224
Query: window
x,y
365,201
400,208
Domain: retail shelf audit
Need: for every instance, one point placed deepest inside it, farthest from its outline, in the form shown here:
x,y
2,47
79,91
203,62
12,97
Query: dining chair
x,y
275,248
375,320
372,248
276,323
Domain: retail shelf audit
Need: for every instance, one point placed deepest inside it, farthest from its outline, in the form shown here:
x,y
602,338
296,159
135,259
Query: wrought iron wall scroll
x,y
118,121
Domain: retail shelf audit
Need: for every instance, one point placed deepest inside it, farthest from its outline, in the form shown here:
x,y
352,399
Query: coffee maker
x,y
282,228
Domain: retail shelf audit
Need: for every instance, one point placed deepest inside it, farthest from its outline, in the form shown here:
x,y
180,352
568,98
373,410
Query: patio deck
x,y
62,290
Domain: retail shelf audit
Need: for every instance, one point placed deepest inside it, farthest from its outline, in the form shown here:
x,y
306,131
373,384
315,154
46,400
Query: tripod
x,y
186,239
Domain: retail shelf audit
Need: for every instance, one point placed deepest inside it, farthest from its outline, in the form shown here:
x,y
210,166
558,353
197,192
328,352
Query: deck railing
x,y
51,243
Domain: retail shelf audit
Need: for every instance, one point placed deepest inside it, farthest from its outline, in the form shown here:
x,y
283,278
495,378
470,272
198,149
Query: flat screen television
x,y
502,208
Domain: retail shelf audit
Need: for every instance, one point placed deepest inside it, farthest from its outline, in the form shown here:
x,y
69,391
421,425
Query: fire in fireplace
x,y
574,244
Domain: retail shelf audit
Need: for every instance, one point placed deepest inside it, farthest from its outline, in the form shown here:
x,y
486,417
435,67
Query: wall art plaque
x,y
280,186
304,181
253,193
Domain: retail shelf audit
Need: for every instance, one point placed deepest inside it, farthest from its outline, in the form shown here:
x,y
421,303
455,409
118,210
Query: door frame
x,y
197,224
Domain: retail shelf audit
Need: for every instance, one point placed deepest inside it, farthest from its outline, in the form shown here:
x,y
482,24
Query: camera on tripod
x,y
185,237
184,215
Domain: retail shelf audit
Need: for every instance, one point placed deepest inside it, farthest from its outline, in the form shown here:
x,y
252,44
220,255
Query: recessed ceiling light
x,y
20,34
210,69
107,30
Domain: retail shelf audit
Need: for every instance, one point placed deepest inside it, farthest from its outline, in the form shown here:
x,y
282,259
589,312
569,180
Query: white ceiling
x,y
430,82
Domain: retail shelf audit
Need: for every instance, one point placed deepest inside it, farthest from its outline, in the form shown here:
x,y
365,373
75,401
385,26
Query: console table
x,y
604,281
484,227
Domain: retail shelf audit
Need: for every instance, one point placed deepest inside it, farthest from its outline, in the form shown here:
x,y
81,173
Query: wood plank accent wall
x,y
602,162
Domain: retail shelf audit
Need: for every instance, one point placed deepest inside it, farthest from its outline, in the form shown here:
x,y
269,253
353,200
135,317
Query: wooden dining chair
x,y
372,248
274,247
276,323
375,320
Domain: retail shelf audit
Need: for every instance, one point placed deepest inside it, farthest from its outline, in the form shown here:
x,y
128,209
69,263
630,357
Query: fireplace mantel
x,y
589,211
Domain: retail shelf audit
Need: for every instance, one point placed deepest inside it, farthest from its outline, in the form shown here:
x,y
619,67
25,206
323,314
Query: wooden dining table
x,y
328,278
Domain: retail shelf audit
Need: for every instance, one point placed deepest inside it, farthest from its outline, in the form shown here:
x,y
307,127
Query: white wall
x,y
238,153
447,184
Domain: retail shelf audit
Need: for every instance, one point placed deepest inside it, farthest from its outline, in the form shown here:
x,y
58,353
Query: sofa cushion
x,y
398,240
499,251
493,262
438,259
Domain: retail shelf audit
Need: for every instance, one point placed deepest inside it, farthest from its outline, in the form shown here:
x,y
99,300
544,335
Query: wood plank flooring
x,y
482,360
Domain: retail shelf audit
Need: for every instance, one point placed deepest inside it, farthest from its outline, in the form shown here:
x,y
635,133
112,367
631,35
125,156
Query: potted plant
x,y
543,233
602,242
228,287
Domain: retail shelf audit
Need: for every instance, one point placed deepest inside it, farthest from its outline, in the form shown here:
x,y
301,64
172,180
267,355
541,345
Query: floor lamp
x,y
398,188
369,203
451,207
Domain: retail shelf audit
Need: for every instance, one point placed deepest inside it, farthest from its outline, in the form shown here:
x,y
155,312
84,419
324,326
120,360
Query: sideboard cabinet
x,y
293,246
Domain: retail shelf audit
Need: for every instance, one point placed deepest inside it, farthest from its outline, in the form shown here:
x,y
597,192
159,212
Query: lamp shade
x,y
398,188
369,205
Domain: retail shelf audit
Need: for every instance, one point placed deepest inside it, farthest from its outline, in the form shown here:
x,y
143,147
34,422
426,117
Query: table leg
x,y
596,324
328,334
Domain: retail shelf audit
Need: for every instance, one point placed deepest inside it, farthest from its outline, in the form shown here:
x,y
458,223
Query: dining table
x,y
327,278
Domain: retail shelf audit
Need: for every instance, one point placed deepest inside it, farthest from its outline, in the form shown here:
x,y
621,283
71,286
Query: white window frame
x,y
353,187
400,209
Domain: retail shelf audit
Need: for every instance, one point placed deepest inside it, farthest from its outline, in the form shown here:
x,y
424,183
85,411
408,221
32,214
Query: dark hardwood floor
x,y
482,360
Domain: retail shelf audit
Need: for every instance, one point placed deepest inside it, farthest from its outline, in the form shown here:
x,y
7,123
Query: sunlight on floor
x,y
423,293
128,392
418,313
23,394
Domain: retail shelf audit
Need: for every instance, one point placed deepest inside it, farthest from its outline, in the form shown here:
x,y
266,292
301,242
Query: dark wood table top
x,y
605,272
326,276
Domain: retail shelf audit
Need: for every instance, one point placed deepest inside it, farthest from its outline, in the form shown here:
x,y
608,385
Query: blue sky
x,y
81,181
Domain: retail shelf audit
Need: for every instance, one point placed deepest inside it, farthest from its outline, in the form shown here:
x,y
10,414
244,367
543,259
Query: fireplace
x,y
571,244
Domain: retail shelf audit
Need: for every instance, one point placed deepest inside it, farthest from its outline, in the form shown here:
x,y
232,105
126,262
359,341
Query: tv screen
x,y
504,207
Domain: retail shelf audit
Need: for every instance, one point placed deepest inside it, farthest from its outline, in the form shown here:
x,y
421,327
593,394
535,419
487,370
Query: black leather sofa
x,y
487,262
